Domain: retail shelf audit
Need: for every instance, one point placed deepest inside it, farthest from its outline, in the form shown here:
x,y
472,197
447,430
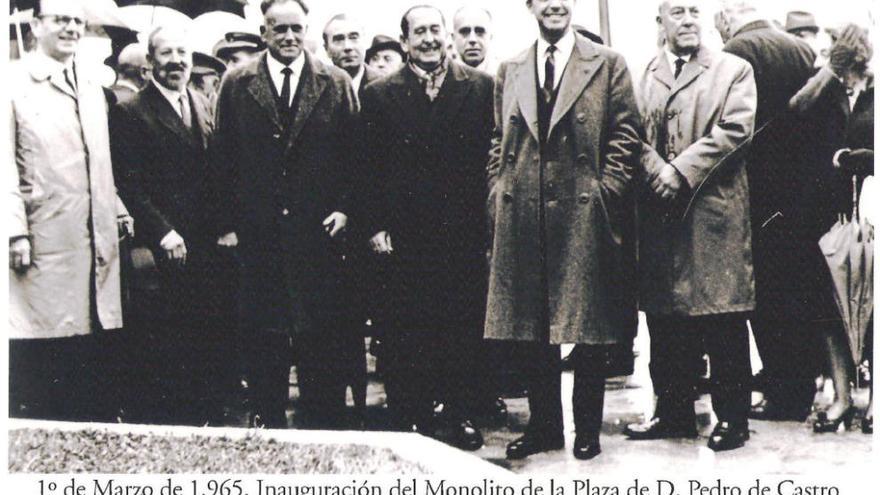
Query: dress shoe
x,y
868,425
657,428
529,444
824,424
726,436
769,410
462,435
585,449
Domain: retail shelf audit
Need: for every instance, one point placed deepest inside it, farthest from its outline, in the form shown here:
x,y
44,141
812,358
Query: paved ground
x,y
775,447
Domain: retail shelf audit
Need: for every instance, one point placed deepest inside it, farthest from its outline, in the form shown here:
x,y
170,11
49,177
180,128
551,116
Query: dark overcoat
x,y
697,260
274,185
780,170
582,180
427,160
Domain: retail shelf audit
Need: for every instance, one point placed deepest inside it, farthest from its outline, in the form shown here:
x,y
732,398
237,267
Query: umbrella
x,y
193,8
145,18
849,252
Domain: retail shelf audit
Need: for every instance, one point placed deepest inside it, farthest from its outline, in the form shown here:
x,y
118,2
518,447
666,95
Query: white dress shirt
x,y
275,68
671,58
564,47
356,80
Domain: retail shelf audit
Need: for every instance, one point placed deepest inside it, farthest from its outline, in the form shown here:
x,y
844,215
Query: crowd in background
x,y
238,212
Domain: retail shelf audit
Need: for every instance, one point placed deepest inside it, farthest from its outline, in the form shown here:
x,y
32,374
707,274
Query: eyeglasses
x,y
280,29
64,20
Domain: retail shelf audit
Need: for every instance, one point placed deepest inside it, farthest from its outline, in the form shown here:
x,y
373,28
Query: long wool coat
x,y
62,196
582,180
274,185
695,254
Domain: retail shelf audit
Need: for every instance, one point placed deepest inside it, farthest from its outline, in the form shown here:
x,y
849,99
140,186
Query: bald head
x,y
732,15
132,64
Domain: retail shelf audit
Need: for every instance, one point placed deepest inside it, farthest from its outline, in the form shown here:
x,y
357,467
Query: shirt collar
x,y
671,57
173,96
44,66
564,46
275,66
423,74
356,80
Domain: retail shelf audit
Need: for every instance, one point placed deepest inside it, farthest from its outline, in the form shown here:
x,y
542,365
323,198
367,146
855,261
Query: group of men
x,y
344,194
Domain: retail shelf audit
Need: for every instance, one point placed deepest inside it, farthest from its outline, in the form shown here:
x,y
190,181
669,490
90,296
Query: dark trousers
x,y
67,379
327,362
543,382
267,367
788,350
677,344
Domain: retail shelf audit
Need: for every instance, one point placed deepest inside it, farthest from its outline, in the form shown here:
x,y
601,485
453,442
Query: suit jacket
x,y
63,198
161,166
274,185
427,188
699,262
580,184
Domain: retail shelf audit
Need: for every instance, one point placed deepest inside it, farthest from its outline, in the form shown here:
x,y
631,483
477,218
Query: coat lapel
x,y
168,117
579,72
527,90
453,93
691,71
260,88
661,70
312,83
406,94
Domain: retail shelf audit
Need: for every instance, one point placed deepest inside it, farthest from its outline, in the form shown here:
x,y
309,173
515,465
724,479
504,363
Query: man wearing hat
x,y
132,72
343,43
385,54
804,26
206,74
238,49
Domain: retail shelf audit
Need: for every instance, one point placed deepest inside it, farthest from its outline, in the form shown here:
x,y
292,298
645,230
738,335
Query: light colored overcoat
x,y
61,195
581,184
695,255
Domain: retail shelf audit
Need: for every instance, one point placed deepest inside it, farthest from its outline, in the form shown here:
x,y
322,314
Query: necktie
x,y
679,64
69,79
285,87
185,114
549,73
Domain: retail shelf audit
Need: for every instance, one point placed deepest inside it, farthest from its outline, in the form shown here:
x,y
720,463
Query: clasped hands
x,y
667,183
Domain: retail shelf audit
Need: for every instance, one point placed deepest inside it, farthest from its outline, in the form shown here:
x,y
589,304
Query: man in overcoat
x,y
159,140
563,162
695,258
283,161
64,286
786,256
345,44
428,128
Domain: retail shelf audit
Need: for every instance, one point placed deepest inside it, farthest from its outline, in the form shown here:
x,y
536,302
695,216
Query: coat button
x,y
514,120
101,261
511,158
507,197
671,115
583,159
277,135
581,117
285,212
671,156
584,198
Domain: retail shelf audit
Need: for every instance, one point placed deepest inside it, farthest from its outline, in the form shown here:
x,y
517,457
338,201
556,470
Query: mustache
x,y
430,46
174,66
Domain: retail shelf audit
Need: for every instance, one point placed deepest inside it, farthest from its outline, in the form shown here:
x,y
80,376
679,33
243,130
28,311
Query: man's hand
x,y
335,223
381,243
667,183
175,248
20,254
229,240
125,226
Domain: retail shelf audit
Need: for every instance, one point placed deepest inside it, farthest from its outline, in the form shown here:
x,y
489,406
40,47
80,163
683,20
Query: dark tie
x,y
285,87
69,80
679,64
549,73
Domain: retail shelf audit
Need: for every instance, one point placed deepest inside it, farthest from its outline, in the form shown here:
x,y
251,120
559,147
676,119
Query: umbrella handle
x,y
855,213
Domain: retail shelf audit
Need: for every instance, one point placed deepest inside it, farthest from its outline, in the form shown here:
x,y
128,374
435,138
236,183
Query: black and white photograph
x,y
439,247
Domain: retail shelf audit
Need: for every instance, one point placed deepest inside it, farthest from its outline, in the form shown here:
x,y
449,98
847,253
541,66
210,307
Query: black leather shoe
x,y
585,449
657,428
462,435
824,424
768,410
725,436
527,445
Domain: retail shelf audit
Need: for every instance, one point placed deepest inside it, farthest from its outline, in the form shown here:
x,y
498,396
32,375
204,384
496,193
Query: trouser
x,y
788,350
267,365
543,382
61,378
675,365
327,362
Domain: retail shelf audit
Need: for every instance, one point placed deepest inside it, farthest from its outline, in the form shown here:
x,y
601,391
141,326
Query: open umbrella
x,y
849,252
193,8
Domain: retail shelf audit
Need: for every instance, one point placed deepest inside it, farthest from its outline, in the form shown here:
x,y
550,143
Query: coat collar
x,y
312,83
753,26
582,66
43,68
699,62
408,88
